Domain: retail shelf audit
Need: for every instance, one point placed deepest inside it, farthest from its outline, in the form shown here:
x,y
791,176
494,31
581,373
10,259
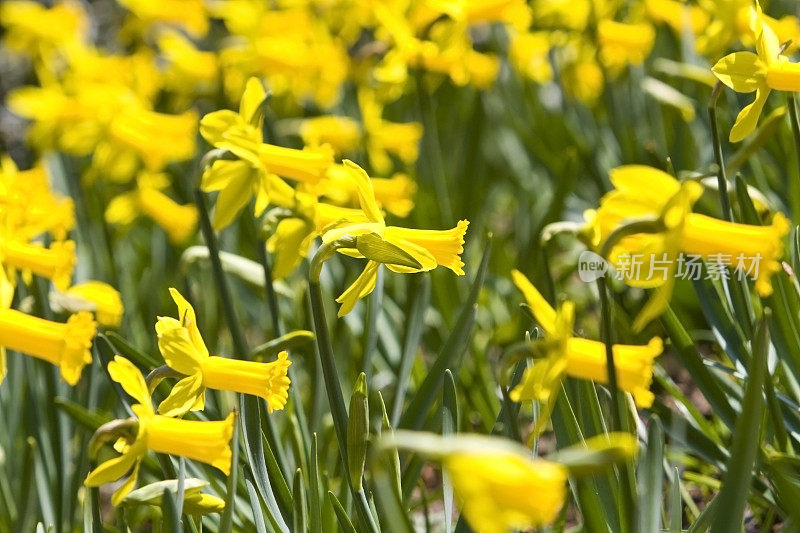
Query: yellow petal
x,y
543,311
741,71
232,199
252,99
130,378
289,244
188,320
111,470
361,287
126,487
748,117
366,194
182,397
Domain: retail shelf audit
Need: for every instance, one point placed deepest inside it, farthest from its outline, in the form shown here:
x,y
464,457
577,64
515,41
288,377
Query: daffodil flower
x,y
645,193
157,138
567,355
258,166
177,220
184,351
207,442
384,137
65,345
100,298
341,133
623,44
55,262
429,248
746,72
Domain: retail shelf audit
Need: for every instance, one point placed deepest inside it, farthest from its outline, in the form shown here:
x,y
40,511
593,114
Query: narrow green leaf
x,y
226,522
651,479
736,482
341,514
358,430
300,515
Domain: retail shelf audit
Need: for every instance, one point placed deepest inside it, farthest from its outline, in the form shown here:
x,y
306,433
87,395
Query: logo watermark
x,y
657,267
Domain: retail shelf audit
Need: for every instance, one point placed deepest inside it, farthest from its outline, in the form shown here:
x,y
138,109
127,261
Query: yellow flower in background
x,y
100,298
343,134
429,248
37,31
577,357
499,487
529,54
55,263
28,206
731,22
513,12
157,138
65,345
746,72
178,221
384,137
259,164
582,76
502,490
207,442
188,15
189,71
646,193
185,352
679,16
623,44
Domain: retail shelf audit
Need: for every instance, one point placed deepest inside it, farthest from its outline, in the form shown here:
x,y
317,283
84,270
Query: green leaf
x,y
736,482
341,514
226,522
90,420
358,430
651,479
300,515
290,341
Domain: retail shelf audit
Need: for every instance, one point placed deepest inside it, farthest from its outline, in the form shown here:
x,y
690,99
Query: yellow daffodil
x,y
37,31
54,263
513,12
677,15
189,15
28,207
157,138
185,352
384,137
429,248
179,221
207,442
579,358
730,23
65,345
259,164
645,193
746,72
497,484
623,44
189,71
100,298
343,134
529,54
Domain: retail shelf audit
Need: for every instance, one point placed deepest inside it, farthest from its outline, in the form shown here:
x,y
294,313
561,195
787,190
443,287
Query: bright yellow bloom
x,y
189,15
156,138
528,53
38,31
623,44
184,351
259,164
207,442
497,484
579,358
513,12
343,134
179,221
64,345
54,263
100,298
645,193
746,72
429,248
677,15
190,71
384,137
28,207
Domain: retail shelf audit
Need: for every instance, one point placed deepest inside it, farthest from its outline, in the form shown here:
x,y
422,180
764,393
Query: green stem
x,y
331,378
722,178
794,187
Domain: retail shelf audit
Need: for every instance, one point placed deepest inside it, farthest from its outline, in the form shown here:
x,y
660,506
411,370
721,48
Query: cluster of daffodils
x,y
304,194
164,430
35,223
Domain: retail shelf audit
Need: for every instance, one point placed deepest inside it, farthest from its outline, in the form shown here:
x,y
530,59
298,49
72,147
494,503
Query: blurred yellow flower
x,y
38,31
157,138
178,221
207,442
746,72
55,263
188,15
580,358
529,54
384,137
623,44
185,352
100,298
342,133
65,345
